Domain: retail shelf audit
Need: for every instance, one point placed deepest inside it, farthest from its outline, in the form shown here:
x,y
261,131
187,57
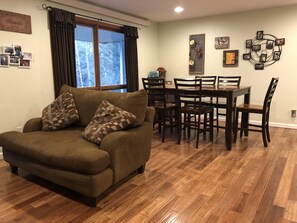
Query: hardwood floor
x,y
180,184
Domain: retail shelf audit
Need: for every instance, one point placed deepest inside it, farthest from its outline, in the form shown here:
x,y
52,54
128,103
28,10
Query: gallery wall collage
x,y
13,55
261,51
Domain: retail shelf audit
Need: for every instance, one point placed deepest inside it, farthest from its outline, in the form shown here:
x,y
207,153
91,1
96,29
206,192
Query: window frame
x,y
96,25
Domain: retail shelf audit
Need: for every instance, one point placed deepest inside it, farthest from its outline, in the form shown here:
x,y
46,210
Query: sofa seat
x,y
68,150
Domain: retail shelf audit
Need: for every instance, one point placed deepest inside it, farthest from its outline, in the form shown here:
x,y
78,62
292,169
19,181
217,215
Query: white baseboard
x,y
276,124
271,124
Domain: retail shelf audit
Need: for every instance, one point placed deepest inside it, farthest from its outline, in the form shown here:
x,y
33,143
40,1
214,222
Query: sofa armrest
x,y
32,125
150,114
128,149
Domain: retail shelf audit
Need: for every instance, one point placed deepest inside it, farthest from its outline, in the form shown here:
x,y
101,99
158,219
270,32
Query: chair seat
x,y
193,110
250,108
168,106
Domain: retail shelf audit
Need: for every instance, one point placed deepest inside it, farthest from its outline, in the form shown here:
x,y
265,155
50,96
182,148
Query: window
x,y
100,56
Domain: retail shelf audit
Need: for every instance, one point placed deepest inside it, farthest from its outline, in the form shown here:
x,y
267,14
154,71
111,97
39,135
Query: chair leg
x,y
163,124
211,126
171,121
179,128
198,130
264,135
241,126
217,118
267,133
235,126
159,122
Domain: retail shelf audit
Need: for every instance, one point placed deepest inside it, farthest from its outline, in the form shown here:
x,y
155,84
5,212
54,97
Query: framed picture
x,y
280,42
222,42
246,56
259,66
25,63
230,58
276,55
7,50
27,56
256,47
17,50
14,60
263,58
196,54
248,43
260,35
4,59
269,44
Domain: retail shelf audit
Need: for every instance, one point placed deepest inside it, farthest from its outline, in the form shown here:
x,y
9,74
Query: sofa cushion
x,y
87,102
61,113
62,149
108,118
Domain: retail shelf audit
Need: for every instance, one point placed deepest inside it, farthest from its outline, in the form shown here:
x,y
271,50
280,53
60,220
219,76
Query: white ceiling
x,y
163,10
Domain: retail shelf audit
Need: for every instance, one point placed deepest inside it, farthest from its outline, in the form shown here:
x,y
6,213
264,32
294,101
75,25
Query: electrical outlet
x,y
293,113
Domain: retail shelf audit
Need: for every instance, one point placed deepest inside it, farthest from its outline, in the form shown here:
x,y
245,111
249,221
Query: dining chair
x,y
165,112
189,102
221,105
207,81
263,110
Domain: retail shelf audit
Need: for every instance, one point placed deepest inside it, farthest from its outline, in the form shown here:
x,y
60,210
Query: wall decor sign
x,y
196,53
15,22
230,58
222,42
263,50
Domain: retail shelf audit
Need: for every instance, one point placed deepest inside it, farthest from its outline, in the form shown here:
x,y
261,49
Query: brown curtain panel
x,y
131,36
62,25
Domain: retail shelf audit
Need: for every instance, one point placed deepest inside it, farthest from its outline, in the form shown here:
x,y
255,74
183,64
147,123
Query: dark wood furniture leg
x,y
228,130
13,169
141,169
245,115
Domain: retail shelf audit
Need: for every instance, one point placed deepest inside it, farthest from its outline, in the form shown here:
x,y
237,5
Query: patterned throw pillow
x,y
60,113
108,118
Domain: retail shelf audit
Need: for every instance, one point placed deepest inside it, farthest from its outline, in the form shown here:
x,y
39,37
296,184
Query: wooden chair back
x,y
207,80
155,89
229,80
268,97
188,93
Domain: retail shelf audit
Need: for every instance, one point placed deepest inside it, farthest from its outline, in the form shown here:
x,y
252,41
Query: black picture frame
x,y
260,35
280,42
256,47
269,44
276,55
246,56
248,43
263,57
259,66
230,58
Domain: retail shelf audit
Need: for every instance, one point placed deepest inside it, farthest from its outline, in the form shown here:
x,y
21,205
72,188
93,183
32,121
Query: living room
x,y
166,44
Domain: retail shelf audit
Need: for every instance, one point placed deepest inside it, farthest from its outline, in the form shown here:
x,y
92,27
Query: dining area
x,y
204,105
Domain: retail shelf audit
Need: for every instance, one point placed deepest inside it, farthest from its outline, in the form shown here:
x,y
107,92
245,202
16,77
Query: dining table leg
x,y
229,115
245,115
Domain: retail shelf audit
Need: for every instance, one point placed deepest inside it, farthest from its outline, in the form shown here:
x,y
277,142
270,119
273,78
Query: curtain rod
x,y
48,8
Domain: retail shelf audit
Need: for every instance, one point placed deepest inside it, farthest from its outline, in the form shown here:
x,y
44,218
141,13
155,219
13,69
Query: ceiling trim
x,y
103,11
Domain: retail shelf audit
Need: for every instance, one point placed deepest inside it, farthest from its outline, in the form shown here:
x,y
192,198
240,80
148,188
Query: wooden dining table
x,y
230,93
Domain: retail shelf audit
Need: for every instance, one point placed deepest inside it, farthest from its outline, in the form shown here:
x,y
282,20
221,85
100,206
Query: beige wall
x,y
281,22
24,92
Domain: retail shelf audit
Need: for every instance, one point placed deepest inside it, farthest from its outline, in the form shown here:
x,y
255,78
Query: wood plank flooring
x,y
180,184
